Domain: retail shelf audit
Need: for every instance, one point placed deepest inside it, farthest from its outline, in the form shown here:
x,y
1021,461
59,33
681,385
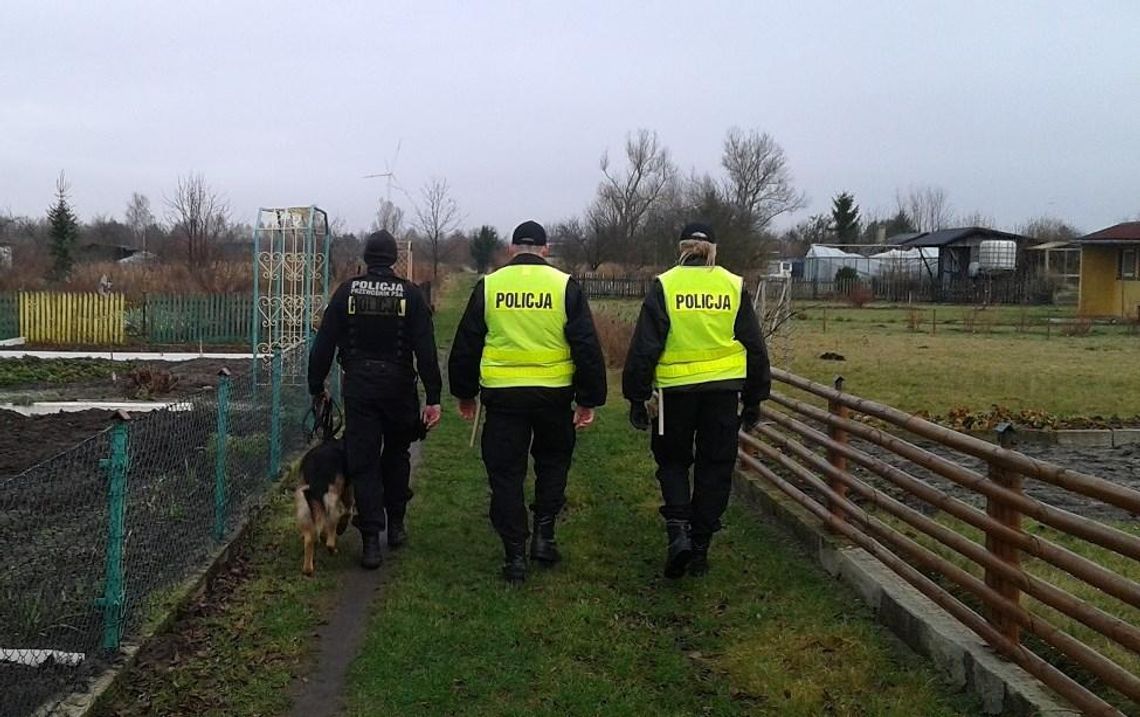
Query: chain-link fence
x,y
96,539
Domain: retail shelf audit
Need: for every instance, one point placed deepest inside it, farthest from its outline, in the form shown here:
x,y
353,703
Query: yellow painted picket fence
x,y
64,319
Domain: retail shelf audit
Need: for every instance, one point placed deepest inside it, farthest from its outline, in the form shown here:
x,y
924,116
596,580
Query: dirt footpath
x,y
319,692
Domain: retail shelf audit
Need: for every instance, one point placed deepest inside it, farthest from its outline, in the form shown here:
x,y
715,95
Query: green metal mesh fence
x,y
95,539
9,316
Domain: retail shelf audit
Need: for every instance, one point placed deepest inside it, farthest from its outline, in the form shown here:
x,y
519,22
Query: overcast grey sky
x,y
1016,109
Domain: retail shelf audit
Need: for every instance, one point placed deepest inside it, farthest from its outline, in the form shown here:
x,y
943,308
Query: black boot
x,y
543,546
699,565
680,548
397,532
371,556
514,561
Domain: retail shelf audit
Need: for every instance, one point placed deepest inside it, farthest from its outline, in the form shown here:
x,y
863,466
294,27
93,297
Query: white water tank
x,y
995,255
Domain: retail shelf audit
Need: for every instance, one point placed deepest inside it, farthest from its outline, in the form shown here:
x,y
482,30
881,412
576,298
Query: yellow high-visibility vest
x,y
701,346
524,306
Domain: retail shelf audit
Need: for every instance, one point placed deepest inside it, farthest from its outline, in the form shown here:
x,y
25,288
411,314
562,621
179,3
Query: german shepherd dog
x,y
323,496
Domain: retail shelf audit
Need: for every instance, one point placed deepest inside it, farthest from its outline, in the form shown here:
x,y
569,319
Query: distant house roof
x,y
946,237
904,238
105,252
1054,246
1123,233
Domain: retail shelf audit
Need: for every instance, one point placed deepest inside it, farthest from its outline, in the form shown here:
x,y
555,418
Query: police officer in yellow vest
x,y
699,348
527,345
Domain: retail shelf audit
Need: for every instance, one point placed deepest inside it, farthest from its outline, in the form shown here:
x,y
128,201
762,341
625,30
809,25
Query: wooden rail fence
x,y
784,451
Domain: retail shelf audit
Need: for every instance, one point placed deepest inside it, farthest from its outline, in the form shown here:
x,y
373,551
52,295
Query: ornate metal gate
x,y
291,277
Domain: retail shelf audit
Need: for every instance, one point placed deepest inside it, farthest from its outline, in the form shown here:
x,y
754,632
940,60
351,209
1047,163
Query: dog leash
x,y
328,419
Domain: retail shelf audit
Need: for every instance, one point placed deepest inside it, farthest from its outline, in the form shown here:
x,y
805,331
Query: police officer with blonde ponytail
x,y
697,356
527,345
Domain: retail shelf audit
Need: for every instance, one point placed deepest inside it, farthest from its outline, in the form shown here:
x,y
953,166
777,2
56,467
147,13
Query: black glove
x,y
749,417
638,415
319,400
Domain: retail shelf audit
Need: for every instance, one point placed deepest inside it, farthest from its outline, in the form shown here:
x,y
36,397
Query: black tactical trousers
x,y
381,421
549,436
708,422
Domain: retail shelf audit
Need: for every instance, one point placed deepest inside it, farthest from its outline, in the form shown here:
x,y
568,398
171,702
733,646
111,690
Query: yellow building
x,y
1110,272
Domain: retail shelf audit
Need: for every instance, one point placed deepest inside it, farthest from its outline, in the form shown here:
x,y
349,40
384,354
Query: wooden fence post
x,y
1004,551
836,458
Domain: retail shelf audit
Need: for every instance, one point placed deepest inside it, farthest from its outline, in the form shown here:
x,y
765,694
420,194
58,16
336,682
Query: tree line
x,y
641,200
196,221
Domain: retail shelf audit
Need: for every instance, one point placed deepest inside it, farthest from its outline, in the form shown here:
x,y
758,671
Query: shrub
x,y
614,334
146,382
1080,327
914,319
859,296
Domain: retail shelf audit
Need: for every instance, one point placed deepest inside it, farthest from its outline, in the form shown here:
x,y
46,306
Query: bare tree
x,y
626,197
975,219
927,207
797,240
759,183
198,216
437,215
587,244
389,216
138,217
1047,229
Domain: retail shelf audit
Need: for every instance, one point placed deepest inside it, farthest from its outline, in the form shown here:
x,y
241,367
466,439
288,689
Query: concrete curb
x,y
82,703
1071,437
962,656
126,355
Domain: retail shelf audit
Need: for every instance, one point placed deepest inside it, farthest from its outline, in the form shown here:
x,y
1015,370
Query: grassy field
x,y
766,633
1087,375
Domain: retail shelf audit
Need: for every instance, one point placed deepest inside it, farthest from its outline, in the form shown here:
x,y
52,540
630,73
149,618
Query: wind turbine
x,y
389,172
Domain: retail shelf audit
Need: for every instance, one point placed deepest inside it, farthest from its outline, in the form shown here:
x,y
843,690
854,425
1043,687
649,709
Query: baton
x,y
661,412
475,426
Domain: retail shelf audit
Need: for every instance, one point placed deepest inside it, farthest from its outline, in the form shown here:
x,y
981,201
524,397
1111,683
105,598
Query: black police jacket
x,y
649,342
589,385
378,317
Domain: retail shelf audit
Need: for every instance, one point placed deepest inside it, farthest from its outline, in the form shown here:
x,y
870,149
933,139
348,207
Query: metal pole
x,y
275,417
222,439
114,589
255,317
308,262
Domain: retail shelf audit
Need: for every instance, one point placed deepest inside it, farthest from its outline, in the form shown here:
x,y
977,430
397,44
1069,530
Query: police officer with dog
x,y
697,354
379,326
527,345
